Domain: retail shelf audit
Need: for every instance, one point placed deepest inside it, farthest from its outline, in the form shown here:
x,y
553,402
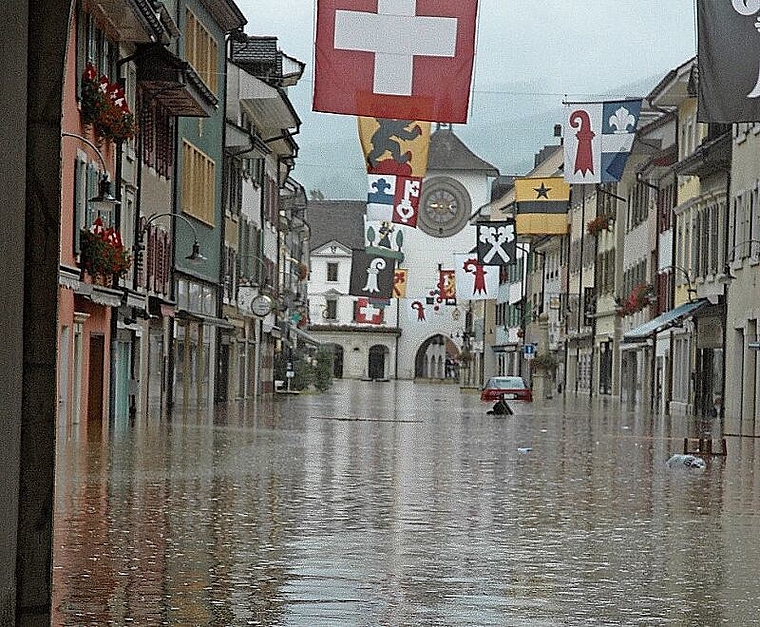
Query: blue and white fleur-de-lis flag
x,y
598,139
728,60
497,243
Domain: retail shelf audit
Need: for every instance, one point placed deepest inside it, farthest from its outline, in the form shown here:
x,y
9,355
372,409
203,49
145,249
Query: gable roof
x,y
337,220
448,152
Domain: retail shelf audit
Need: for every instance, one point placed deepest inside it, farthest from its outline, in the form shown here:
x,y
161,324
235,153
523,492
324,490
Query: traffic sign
x,y
529,351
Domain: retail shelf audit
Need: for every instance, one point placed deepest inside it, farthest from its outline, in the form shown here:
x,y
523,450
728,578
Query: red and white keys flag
x,y
402,59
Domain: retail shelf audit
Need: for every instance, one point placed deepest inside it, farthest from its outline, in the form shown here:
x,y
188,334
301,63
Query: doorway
x,y
337,351
95,380
376,369
605,368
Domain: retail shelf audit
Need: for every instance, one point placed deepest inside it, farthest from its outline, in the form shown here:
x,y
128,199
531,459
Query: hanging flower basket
x,y
102,254
104,107
598,224
640,297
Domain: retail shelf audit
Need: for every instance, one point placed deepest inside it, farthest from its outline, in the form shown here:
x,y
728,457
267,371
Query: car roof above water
x,y
506,382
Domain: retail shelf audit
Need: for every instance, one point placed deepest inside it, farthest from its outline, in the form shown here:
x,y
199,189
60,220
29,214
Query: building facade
x,y
417,336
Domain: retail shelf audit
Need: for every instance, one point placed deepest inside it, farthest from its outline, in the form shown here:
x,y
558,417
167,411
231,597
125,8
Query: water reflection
x,y
402,504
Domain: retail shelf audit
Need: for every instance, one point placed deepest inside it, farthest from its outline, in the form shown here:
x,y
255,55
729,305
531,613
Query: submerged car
x,y
508,388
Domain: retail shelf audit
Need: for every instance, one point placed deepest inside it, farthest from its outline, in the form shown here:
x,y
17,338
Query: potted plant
x,y
102,254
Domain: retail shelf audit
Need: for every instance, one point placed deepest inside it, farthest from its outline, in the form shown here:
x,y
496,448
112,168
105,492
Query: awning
x,y
204,319
664,321
307,337
174,83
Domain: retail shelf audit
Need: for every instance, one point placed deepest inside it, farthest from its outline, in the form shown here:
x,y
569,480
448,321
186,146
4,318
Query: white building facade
x,y
421,336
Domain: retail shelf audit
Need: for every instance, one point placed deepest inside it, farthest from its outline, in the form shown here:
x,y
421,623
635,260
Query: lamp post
x,y
690,289
195,255
104,201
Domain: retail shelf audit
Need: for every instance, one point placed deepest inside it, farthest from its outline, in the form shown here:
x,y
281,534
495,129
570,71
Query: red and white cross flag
x,y
400,59
367,313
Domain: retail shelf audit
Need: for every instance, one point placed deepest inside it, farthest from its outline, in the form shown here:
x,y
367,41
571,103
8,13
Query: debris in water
x,y
686,461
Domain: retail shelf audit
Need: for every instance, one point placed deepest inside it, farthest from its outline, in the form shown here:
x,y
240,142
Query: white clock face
x,y
445,207
261,305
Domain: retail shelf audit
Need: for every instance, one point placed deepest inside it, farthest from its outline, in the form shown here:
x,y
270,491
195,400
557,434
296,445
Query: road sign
x,y
529,351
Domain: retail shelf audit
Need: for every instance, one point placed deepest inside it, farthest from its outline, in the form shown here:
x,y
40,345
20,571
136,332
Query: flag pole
x,y
580,290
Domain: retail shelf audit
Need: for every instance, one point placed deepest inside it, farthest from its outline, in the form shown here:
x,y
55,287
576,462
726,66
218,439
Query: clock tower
x,y
457,184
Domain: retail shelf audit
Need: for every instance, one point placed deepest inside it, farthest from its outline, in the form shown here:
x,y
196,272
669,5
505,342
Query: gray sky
x,y
529,55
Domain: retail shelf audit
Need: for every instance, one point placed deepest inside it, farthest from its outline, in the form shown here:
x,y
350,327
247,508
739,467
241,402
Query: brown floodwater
x,y
403,504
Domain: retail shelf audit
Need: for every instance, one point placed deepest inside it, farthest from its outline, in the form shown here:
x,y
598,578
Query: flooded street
x,y
404,504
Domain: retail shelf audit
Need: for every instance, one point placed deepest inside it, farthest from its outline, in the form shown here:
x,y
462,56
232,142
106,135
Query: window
x,y
331,311
198,180
201,50
156,131
332,271
235,188
230,265
93,47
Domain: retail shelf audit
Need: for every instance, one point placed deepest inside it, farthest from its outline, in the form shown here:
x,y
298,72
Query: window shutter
x,y
78,216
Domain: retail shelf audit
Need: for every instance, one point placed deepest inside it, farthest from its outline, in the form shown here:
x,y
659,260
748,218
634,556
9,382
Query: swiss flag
x,y
367,313
401,59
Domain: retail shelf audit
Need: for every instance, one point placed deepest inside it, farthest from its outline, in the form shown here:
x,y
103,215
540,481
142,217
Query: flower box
x,y
640,297
104,107
102,254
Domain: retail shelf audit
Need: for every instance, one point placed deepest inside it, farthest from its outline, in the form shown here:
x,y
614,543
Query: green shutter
x,y
77,216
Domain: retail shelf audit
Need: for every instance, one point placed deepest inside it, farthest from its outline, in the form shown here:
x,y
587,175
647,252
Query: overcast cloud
x,y
529,55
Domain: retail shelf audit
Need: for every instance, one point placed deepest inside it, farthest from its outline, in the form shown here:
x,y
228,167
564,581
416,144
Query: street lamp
x,y
104,202
195,255
690,289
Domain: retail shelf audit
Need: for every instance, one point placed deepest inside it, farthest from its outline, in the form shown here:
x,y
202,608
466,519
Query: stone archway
x,y
437,358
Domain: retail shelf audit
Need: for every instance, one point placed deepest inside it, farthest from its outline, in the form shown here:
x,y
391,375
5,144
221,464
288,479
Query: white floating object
x,y
686,461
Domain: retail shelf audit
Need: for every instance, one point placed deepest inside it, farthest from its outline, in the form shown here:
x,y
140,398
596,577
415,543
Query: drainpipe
x,y
724,313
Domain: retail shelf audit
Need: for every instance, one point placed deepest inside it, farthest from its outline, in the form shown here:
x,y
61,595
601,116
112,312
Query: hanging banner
x,y
598,139
402,59
367,313
542,205
447,284
371,275
383,238
399,283
393,198
416,311
475,281
395,146
497,243
728,61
